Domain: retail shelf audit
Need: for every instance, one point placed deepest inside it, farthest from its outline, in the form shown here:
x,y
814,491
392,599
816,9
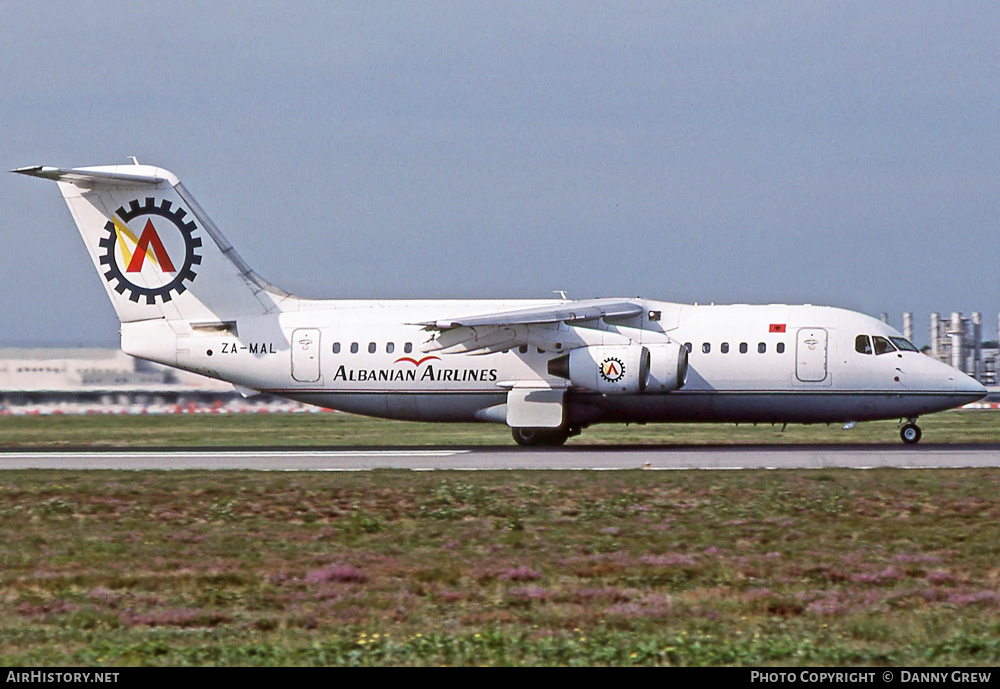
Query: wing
x,y
548,327
561,312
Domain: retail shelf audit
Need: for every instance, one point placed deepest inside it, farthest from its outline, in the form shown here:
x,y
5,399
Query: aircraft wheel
x,y
910,433
539,437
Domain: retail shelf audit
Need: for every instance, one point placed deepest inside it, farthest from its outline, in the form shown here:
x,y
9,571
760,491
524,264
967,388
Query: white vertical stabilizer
x,y
158,253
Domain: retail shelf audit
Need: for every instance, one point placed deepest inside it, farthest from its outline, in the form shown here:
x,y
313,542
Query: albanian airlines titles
x,y
430,373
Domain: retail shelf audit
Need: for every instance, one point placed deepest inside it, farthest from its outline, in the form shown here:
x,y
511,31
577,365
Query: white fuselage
x,y
774,363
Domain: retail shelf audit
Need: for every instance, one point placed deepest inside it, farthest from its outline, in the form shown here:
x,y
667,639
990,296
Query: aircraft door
x,y
305,355
810,355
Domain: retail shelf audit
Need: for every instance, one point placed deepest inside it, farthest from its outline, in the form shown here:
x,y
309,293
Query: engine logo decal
x,y
612,369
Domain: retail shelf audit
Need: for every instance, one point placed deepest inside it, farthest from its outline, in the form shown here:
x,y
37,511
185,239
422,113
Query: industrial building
x,y
110,381
958,341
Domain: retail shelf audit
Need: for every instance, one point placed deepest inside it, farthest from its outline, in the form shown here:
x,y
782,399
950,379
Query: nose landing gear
x,y
910,432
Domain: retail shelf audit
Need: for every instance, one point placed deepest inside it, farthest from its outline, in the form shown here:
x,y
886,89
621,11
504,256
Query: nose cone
x,y
956,386
969,386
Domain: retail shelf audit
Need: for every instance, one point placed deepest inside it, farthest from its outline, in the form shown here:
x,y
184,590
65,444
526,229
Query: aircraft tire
x,y
910,433
539,437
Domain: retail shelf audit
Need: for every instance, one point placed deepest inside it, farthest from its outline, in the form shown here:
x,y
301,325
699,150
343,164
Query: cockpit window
x,y
882,345
863,344
903,344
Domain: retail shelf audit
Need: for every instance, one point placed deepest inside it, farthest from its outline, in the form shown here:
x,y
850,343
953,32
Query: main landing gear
x,y
910,432
543,437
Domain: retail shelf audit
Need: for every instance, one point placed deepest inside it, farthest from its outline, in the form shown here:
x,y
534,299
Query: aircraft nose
x,y
967,385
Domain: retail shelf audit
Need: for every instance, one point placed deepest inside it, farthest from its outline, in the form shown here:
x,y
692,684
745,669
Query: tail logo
x,y
149,240
150,250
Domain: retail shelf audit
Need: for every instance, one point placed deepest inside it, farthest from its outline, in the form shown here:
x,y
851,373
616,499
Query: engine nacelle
x,y
611,369
624,369
668,367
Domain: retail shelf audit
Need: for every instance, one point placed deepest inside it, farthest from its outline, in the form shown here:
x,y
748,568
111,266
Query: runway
x,y
660,458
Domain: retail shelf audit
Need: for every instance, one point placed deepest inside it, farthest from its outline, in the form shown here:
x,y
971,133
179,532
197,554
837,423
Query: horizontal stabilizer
x,y
82,176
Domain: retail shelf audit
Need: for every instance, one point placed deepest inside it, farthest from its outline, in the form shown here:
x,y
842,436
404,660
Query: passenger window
x,y
336,348
780,348
390,347
862,344
354,348
408,347
724,348
688,346
372,347
706,348
523,349
743,347
761,348
882,345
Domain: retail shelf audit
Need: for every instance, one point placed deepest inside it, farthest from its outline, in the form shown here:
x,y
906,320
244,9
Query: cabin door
x,y
810,355
305,355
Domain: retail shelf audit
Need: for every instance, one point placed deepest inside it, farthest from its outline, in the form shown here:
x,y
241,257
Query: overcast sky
x,y
842,153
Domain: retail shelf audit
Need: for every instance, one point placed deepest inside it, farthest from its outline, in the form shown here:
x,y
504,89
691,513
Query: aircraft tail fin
x,y
159,254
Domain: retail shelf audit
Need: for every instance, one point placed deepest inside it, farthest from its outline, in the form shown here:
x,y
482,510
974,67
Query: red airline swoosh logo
x,y
416,362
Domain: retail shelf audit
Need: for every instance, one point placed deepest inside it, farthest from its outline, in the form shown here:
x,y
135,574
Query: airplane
x,y
546,368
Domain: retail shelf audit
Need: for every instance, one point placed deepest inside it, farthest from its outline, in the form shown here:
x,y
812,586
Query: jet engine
x,y
624,369
668,367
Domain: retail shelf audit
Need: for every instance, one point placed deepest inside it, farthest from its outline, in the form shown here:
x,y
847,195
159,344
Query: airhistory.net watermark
x,y
30,676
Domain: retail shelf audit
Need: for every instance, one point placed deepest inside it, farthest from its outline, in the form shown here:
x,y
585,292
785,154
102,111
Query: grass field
x,y
826,567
